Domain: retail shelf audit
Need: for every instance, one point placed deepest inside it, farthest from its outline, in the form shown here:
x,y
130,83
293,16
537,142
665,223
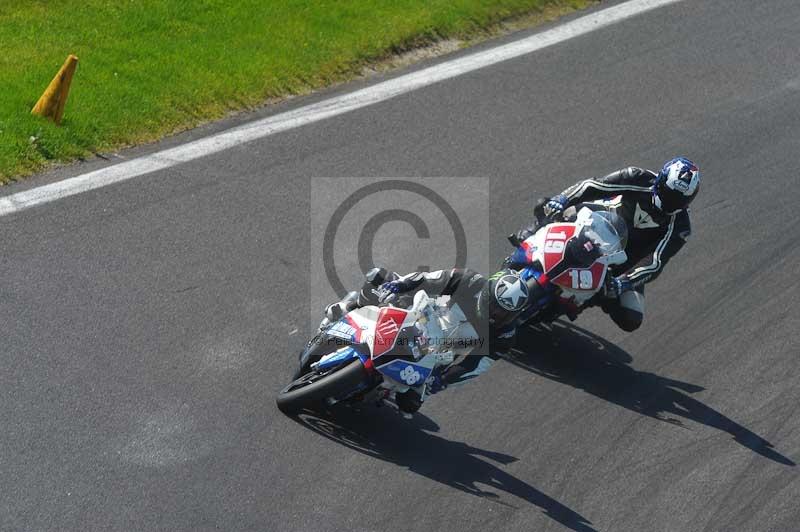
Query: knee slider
x,y
630,312
627,320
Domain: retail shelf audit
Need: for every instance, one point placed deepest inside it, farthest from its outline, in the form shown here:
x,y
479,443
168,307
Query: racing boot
x,y
409,401
435,383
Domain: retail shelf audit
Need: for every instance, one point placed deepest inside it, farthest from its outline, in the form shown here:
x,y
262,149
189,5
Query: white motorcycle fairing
x,y
379,329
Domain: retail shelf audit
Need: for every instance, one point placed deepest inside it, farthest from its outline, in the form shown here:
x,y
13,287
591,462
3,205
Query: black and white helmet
x,y
677,185
502,298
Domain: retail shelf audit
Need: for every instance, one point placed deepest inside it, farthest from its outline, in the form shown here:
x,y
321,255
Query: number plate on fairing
x,y
406,372
555,242
582,282
582,278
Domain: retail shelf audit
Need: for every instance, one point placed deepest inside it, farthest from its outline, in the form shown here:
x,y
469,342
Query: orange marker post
x,y
51,103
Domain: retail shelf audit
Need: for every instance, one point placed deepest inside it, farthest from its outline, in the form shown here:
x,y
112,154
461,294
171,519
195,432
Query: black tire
x,y
298,395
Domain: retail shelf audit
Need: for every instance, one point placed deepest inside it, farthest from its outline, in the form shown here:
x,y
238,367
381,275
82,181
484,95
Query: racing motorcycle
x,y
570,260
384,354
388,354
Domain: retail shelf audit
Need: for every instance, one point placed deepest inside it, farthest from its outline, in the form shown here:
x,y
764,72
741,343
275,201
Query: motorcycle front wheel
x,y
311,389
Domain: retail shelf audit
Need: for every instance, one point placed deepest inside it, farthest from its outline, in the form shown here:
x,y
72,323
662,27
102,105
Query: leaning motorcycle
x,y
380,354
387,354
570,261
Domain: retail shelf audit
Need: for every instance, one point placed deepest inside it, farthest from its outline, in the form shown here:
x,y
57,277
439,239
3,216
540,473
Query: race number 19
x,y
582,279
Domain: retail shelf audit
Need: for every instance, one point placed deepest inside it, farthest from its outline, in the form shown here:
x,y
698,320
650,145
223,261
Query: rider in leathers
x,y
656,210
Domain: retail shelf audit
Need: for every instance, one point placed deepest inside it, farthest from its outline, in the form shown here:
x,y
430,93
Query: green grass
x,y
152,67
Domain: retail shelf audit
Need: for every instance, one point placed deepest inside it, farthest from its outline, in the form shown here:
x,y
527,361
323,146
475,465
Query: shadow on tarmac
x,y
411,444
574,356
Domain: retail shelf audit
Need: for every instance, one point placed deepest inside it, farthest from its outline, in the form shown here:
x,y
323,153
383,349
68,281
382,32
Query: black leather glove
x,y
616,286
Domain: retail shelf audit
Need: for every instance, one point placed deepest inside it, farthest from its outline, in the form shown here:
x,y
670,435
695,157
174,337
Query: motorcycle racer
x,y
408,336
656,209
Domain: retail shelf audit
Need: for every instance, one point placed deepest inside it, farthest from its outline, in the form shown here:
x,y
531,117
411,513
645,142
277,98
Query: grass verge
x,y
149,68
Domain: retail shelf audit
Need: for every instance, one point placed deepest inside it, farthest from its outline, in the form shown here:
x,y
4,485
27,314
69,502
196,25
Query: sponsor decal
x,y
342,330
410,376
388,325
511,292
642,219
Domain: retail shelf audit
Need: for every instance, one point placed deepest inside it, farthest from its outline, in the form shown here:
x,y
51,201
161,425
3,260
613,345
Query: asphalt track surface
x,y
145,326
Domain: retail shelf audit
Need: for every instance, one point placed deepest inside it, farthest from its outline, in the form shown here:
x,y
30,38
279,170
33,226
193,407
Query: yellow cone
x,y
51,103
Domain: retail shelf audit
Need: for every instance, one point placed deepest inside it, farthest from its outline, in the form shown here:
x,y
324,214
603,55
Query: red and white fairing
x,y
379,328
548,247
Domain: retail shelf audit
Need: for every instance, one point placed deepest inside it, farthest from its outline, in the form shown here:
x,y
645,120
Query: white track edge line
x,y
325,109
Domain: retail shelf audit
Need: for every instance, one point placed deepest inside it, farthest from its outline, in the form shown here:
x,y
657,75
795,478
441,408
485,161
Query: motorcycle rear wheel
x,y
312,388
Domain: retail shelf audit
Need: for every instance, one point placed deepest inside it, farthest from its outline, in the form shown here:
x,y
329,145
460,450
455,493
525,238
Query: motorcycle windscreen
x,y
605,230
